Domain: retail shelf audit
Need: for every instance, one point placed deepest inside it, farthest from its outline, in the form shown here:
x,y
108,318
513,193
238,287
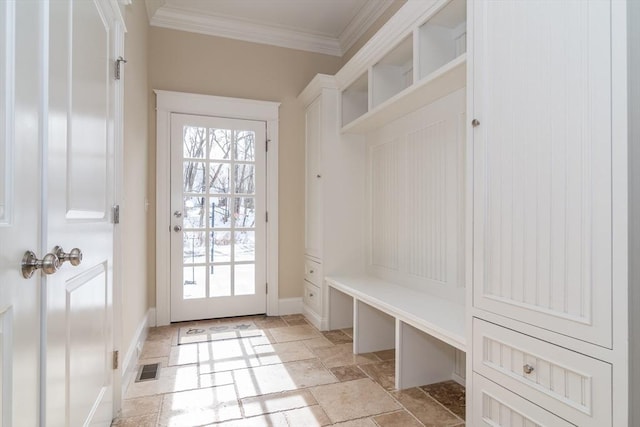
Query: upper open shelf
x,y
447,79
424,66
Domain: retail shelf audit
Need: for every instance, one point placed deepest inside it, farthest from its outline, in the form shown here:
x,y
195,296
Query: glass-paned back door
x,y
218,177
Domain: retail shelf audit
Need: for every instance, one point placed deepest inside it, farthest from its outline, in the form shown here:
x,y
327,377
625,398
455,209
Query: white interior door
x,y
80,195
19,215
218,237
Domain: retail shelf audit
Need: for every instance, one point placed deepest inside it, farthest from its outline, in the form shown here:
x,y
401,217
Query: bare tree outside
x,y
219,205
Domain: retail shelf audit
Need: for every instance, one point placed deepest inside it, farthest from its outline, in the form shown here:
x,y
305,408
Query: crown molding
x,y
365,18
315,86
178,19
164,15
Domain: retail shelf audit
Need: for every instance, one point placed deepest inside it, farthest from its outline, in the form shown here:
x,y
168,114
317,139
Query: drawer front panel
x,y
312,297
496,406
313,271
574,386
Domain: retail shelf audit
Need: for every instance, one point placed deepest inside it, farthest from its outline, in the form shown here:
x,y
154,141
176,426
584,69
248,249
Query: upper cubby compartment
x,y
443,37
355,99
417,57
393,73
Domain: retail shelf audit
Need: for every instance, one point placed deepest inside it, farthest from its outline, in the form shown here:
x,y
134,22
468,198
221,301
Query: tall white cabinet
x,y
334,184
536,221
548,323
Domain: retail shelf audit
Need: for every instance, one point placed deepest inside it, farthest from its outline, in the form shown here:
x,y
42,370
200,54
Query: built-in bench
x,y
424,329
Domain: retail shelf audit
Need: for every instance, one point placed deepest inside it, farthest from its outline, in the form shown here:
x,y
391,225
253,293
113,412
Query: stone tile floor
x,y
291,375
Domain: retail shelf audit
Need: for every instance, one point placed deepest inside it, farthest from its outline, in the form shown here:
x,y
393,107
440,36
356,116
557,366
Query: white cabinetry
x,y
548,91
313,183
334,183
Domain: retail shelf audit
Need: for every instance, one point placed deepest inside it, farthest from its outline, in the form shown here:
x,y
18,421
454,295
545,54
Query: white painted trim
x,y
179,19
151,313
314,88
313,317
622,200
167,16
168,102
6,360
290,306
273,305
359,25
460,380
130,359
118,31
399,26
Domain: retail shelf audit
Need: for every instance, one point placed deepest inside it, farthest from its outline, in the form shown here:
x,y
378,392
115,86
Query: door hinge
x,y
266,145
266,216
116,356
115,218
266,288
117,70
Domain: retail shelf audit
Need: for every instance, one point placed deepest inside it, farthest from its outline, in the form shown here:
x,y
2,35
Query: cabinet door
x,y
542,193
313,189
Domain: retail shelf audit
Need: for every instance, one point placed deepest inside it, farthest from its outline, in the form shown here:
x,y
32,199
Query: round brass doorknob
x,y
177,228
30,263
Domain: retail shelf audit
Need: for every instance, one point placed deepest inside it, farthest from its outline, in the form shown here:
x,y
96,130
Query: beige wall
x,y
136,147
188,62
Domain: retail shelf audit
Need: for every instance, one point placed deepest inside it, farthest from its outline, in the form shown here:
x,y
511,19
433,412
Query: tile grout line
x,y
441,404
271,340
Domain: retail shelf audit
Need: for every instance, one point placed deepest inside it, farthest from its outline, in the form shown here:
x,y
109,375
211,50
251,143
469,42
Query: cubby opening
x,y
393,73
443,37
355,99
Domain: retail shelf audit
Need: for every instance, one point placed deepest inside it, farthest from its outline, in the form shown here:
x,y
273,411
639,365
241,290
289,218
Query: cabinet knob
x,y
528,369
310,271
475,123
310,294
318,176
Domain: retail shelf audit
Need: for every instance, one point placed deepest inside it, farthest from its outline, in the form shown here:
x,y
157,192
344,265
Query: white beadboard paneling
x,y
416,198
385,203
542,168
424,186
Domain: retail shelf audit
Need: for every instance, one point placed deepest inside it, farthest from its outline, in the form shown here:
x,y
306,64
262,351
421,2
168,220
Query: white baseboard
x,y
151,316
130,359
312,316
459,380
289,306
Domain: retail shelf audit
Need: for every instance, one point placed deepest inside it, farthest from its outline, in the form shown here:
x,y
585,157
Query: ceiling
x,y
322,26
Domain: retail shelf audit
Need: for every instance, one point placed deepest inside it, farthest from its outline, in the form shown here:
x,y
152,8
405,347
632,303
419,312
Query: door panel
x,y
20,134
87,301
542,168
218,205
80,194
313,181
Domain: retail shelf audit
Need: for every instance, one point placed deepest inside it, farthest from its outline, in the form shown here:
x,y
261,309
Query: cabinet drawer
x,y
313,271
312,297
495,406
569,384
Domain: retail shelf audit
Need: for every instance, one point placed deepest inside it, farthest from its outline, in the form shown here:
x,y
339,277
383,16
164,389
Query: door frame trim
x,y
168,102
